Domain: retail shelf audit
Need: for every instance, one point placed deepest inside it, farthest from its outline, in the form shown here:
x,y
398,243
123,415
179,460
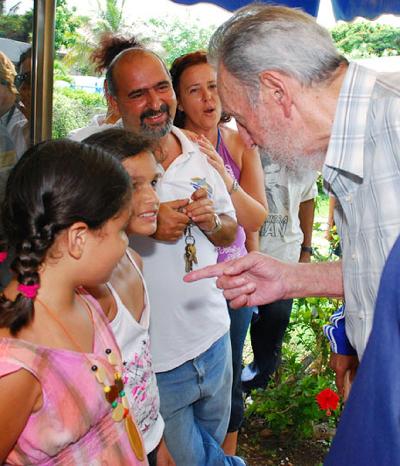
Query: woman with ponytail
x,y
62,398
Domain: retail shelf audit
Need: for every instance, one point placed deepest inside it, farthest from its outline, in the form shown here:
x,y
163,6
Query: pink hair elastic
x,y
29,291
3,256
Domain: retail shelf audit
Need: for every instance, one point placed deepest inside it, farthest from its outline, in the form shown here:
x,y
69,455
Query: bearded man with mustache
x,y
189,326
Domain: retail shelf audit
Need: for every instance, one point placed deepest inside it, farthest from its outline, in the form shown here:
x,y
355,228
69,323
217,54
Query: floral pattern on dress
x,y
141,387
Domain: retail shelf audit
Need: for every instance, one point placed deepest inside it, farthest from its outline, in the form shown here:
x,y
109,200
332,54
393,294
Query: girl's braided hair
x,y
53,185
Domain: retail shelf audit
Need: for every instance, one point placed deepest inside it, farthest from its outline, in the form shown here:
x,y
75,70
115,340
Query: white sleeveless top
x,y
139,377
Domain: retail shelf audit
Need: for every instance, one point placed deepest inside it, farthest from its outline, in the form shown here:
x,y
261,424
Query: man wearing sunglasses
x,y
17,119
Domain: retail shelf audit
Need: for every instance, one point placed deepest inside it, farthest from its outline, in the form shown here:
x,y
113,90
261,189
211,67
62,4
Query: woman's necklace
x,y
114,393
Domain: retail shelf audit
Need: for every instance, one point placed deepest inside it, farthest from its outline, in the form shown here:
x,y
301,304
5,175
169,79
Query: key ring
x,y
189,238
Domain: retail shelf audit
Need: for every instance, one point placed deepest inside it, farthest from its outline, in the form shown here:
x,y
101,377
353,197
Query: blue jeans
x,y
195,402
240,321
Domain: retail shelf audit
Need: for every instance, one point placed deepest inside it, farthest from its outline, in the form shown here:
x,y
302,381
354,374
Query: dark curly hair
x,y
54,185
178,66
109,47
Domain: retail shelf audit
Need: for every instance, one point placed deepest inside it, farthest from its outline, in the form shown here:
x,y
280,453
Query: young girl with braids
x,y
62,398
124,298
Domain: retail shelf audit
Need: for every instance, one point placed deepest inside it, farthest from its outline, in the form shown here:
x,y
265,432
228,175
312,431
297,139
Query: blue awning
x,y
345,10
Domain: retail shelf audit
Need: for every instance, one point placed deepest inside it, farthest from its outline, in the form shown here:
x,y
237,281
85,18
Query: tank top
x,y
237,248
138,375
74,426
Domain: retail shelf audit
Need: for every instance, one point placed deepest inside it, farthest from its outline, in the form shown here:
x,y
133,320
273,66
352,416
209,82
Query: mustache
x,y
164,108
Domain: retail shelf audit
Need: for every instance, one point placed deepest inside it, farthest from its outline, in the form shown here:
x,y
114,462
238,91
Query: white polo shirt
x,y
187,318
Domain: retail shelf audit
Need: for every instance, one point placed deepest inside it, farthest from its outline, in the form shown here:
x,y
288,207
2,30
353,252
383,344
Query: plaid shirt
x,y
362,170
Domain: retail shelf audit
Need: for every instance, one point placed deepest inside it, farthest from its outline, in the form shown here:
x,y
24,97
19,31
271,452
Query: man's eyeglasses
x,y
22,78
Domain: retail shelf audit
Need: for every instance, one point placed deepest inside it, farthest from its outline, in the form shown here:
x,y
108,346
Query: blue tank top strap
x,y
218,140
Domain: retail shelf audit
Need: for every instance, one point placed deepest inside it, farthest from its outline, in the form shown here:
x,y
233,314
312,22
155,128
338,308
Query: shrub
x,y
289,402
74,109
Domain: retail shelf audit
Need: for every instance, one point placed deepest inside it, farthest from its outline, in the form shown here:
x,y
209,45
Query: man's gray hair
x,y
264,37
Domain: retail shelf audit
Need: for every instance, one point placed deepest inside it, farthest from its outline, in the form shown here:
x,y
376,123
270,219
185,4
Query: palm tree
x,y
110,17
109,20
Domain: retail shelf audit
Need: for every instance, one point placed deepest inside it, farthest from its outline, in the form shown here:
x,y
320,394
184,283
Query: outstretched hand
x,y
248,281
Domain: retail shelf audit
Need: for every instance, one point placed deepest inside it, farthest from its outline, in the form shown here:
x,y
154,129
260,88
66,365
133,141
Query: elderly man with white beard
x,y
302,103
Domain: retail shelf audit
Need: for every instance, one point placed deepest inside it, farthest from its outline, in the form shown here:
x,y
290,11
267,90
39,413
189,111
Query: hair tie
x,y
3,256
29,291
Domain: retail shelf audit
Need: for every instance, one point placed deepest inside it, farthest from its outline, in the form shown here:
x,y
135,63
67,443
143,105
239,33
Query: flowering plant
x,y
327,400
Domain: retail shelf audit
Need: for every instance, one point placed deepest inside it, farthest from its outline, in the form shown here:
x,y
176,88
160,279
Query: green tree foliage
x,y
61,72
177,37
17,27
365,39
110,18
67,25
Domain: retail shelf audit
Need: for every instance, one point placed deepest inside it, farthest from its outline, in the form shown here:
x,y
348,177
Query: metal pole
x,y
42,69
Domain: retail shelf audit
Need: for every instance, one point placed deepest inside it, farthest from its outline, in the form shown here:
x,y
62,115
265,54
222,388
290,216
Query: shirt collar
x,y
346,144
188,147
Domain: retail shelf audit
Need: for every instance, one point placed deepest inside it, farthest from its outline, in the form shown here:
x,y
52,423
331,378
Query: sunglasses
x,y
22,78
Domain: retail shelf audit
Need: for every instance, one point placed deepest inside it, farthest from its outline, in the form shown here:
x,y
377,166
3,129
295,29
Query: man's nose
x,y
153,99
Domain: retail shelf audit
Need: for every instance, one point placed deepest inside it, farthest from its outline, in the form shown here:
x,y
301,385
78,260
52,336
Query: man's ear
x,y
77,237
111,100
275,85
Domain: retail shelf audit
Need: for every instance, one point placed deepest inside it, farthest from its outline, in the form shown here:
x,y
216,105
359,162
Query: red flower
x,y
327,400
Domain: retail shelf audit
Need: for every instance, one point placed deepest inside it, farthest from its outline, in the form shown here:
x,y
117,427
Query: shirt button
x,y
354,257
348,198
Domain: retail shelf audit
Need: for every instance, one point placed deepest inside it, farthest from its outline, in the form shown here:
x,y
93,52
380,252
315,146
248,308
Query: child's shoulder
x,y
103,296
136,258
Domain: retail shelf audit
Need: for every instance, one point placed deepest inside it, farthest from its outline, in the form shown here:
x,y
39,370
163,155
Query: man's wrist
x,y
216,228
308,249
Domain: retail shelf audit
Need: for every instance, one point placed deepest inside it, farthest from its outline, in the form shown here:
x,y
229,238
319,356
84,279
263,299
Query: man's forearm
x,y
317,279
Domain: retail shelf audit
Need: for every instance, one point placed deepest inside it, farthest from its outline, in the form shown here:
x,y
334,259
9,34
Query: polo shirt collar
x,y
188,147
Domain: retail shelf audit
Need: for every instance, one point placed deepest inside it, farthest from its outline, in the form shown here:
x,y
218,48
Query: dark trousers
x,y
240,321
267,330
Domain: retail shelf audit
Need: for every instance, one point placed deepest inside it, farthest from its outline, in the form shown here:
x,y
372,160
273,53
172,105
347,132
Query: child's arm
x,y
20,395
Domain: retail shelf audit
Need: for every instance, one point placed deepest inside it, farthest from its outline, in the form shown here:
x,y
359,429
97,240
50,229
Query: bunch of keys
x,y
190,249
